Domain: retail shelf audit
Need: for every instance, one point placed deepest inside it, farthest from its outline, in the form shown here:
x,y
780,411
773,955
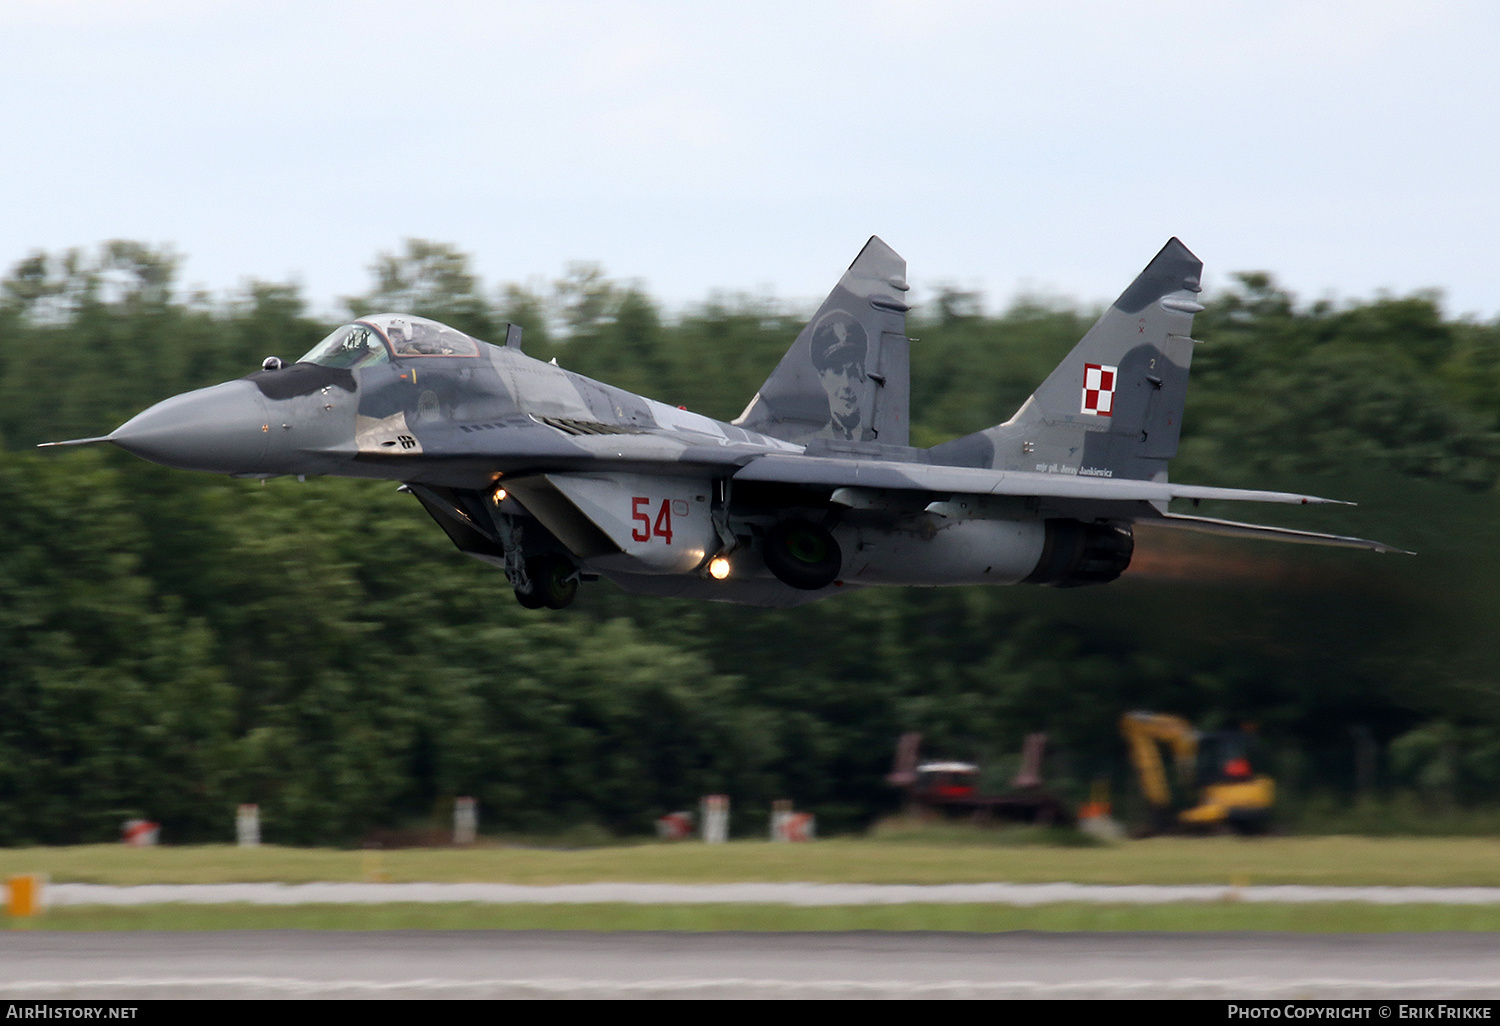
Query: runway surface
x,y
750,893
504,964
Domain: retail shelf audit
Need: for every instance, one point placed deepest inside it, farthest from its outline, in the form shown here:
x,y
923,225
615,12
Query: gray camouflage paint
x,y
588,469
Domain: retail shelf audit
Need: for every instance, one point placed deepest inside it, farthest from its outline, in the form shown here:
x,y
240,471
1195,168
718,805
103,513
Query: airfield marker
x,y
247,826
25,899
140,833
465,820
790,826
675,826
715,818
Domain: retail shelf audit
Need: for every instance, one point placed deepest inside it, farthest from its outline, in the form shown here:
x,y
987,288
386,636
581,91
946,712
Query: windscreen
x,y
353,345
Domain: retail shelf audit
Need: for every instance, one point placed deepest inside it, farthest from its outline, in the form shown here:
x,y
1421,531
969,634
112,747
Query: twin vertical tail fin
x,y
847,377
1113,407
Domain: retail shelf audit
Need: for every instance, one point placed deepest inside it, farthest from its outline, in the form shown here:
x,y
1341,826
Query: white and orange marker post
x,y
789,826
799,827
140,833
465,820
714,811
675,826
26,895
247,826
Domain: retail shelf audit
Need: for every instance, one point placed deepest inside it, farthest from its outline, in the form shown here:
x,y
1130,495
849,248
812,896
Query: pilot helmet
x,y
837,341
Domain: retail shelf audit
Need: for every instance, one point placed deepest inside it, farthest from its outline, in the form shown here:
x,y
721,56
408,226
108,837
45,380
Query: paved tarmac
x,y
513,964
749,893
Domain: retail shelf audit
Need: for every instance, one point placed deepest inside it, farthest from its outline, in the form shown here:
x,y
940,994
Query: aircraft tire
x,y
529,599
553,581
802,555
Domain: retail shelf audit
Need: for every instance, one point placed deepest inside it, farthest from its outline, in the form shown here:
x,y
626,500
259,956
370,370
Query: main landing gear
x,y
802,554
554,583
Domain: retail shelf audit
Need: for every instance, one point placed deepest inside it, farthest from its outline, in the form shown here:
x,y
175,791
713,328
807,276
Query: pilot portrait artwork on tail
x,y
846,377
814,490
838,354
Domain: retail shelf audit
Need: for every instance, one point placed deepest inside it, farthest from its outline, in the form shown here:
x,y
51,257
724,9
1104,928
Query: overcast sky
x,y
1010,147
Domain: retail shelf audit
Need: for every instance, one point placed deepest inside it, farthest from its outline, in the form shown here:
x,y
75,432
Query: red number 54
x,y
663,526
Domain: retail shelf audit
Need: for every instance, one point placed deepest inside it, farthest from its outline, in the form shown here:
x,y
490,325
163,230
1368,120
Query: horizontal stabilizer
x,y
1233,529
925,477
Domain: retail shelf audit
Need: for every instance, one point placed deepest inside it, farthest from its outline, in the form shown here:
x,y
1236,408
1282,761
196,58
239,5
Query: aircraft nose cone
x,y
221,429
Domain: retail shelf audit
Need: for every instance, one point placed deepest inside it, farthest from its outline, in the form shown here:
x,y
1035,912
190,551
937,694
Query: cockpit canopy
x,y
376,339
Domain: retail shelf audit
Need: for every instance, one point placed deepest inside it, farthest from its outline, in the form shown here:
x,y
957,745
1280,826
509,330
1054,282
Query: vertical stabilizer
x,y
848,374
1113,407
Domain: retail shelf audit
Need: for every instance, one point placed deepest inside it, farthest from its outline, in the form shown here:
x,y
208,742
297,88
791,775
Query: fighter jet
x,y
812,491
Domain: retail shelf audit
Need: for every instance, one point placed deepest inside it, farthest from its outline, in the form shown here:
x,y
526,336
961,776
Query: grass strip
x,y
1397,861
1338,917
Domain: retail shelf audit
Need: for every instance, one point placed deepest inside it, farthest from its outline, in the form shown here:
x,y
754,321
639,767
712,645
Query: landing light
x,y
499,496
718,568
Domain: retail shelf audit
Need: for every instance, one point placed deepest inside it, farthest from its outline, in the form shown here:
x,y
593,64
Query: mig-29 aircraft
x,y
812,490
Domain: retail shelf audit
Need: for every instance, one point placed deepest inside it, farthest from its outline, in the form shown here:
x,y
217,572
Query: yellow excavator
x,y
1215,764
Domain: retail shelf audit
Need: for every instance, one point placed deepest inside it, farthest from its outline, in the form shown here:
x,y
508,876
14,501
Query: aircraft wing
x,y
924,477
1142,501
1234,529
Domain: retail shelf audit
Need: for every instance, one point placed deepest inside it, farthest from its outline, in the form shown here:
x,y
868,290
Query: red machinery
x,y
938,788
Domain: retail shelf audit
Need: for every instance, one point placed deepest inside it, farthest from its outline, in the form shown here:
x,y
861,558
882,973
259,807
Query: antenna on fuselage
x,y
513,336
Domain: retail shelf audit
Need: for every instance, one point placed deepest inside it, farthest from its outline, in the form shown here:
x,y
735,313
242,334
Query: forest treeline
x,y
173,644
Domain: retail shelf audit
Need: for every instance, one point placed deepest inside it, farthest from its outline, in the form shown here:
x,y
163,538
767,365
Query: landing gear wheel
x,y
529,599
803,555
554,581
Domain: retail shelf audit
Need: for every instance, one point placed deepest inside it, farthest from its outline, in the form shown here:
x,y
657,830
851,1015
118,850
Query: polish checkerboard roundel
x,y
1099,389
